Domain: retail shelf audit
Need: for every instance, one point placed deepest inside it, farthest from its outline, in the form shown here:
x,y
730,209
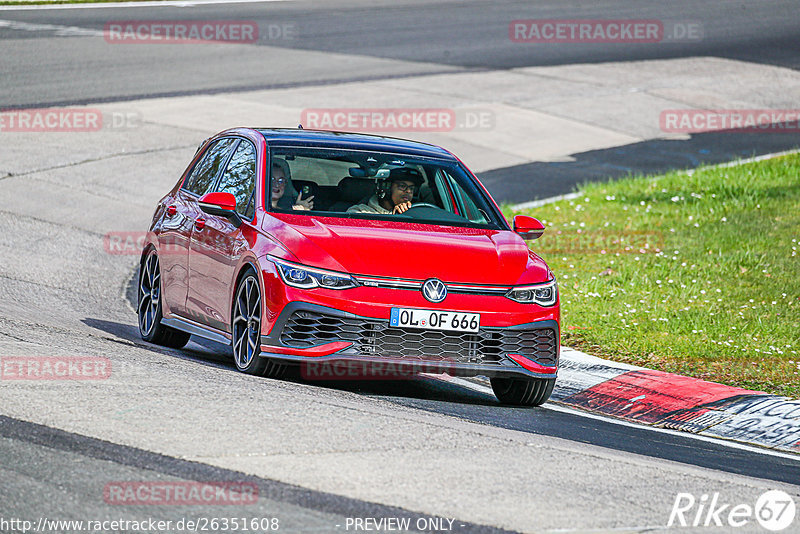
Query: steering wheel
x,y
426,211
423,205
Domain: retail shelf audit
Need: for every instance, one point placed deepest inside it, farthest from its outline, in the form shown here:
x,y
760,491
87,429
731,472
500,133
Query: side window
x,y
239,178
456,200
443,192
466,206
205,172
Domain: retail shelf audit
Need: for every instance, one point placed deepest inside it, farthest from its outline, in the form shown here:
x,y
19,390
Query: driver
x,y
394,193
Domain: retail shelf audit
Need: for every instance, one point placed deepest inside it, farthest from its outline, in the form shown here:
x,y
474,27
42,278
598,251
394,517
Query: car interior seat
x,y
353,191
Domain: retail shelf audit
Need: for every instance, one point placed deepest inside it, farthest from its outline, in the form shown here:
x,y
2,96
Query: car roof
x,y
300,137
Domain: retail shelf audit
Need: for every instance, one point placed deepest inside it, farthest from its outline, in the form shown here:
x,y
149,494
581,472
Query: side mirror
x,y
222,205
528,227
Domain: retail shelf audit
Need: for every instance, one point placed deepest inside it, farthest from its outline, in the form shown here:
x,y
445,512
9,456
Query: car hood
x,y
409,250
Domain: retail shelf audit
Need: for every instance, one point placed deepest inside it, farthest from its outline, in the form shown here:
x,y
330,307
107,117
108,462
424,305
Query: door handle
x,y
200,223
171,211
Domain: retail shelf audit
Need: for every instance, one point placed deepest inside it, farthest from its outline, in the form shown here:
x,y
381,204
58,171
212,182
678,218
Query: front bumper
x,y
316,336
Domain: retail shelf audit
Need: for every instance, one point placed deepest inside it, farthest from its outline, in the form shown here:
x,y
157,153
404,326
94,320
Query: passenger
x,y
281,181
394,193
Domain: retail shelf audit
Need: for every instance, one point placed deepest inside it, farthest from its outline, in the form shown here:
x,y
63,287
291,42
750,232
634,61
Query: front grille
x,y
371,337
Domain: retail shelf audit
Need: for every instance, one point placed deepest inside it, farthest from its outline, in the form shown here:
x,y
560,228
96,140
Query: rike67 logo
x,y
774,510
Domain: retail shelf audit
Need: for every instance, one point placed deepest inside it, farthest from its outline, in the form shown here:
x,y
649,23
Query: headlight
x,y
542,294
296,275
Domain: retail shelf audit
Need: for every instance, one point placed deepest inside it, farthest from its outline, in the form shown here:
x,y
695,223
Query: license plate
x,y
435,319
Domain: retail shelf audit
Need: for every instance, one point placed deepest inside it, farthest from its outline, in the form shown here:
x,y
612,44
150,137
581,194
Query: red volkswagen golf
x,y
337,251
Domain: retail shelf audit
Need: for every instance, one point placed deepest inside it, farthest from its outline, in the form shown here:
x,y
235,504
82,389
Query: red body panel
x,y
173,235
410,250
214,254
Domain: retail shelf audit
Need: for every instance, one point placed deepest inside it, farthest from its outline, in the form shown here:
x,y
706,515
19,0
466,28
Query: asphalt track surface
x,y
429,36
82,464
426,393
171,414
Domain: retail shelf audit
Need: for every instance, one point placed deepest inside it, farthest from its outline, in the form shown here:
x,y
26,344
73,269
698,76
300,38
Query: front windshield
x,y
376,185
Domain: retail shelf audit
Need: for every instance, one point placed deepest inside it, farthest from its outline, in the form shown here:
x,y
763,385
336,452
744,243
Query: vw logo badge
x,y
434,290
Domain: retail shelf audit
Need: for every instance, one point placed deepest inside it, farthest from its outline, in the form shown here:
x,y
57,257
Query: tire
x,y
246,331
523,391
149,307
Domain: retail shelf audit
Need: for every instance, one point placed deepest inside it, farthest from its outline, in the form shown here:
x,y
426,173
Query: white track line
x,y
738,162
542,202
690,435
122,5
735,163
62,31
638,529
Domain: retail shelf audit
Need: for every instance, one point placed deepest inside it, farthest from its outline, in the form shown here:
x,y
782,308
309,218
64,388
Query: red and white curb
x,y
677,402
673,402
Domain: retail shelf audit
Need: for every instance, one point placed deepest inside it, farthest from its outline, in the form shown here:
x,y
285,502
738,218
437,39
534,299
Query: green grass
x,y
690,273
